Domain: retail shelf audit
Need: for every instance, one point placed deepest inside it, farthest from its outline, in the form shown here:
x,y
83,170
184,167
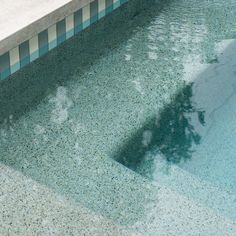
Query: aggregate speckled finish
x,y
67,119
28,208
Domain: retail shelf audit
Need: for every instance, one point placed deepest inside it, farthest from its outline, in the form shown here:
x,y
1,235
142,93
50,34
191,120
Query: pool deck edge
x,y
42,28
38,20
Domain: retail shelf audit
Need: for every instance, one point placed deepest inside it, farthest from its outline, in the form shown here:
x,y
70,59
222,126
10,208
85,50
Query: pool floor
x,y
156,93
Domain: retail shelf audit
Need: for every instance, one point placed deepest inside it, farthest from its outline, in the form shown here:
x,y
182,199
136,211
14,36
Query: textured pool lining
x,y
31,49
174,212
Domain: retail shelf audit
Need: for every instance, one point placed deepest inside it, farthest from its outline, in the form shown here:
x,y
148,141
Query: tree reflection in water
x,y
172,134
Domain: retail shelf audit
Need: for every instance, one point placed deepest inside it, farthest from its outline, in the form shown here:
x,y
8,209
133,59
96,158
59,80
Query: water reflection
x,y
172,133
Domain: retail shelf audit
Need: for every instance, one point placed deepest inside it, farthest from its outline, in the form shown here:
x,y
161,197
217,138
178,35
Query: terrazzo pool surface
x,y
152,88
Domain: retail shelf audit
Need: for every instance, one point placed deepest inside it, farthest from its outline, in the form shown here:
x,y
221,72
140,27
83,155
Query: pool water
x,y
152,86
196,129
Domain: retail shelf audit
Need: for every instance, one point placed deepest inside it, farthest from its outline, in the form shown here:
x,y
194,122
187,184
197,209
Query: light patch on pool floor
x,y
193,67
152,55
62,103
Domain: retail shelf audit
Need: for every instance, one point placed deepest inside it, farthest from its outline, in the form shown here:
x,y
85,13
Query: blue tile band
x,y
24,54
94,11
5,64
30,50
61,31
43,42
109,6
78,21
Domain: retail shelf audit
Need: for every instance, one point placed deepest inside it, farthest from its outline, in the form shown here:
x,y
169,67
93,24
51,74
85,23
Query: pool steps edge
x,y
29,208
215,197
164,211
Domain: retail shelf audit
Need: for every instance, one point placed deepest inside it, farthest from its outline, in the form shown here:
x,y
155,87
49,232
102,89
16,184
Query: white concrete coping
x,y
20,20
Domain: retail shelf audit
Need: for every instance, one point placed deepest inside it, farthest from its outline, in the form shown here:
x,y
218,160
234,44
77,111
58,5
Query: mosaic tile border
x,y
31,49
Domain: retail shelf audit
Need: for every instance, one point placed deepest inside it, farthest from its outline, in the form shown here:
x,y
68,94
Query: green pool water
x,y
151,86
196,128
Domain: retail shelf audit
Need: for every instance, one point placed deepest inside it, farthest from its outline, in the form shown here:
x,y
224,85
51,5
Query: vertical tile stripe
x,y
116,3
78,20
94,11
123,1
34,48
109,6
52,37
15,59
24,53
61,31
4,65
101,8
86,16
69,26
43,42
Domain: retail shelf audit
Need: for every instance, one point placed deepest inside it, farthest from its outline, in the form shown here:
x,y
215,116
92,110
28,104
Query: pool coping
x,y
39,37
36,19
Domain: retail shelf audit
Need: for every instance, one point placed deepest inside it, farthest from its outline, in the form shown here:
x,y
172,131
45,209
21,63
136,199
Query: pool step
x,y
163,211
110,190
221,200
173,214
28,208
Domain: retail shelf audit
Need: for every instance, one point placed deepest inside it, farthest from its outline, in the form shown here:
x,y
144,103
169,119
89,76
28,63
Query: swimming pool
x,y
155,92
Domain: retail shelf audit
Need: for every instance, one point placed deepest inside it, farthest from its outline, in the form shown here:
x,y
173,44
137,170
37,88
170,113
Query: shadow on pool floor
x,y
174,134
171,133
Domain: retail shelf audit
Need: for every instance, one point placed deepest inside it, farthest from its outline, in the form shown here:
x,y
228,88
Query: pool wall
x,y
26,52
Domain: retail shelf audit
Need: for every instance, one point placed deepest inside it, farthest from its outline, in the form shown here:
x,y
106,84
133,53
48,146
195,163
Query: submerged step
x,y
115,192
173,214
28,208
185,183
